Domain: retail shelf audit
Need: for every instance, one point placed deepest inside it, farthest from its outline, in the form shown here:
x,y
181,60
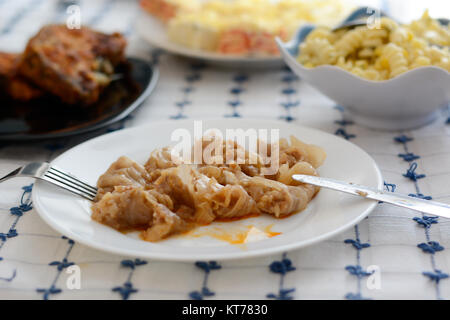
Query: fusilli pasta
x,y
380,53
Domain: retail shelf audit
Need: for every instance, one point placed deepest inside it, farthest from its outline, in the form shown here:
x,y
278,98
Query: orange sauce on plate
x,y
236,235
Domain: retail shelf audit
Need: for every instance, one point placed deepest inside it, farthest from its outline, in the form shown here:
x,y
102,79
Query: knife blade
x,y
426,206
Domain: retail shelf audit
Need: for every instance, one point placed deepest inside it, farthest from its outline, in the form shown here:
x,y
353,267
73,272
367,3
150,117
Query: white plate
x,y
154,32
328,214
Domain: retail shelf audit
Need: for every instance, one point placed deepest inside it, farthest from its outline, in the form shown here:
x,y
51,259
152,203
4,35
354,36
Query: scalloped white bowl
x,y
410,100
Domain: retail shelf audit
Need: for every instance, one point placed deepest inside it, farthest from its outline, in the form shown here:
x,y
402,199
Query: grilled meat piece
x,y
74,65
12,84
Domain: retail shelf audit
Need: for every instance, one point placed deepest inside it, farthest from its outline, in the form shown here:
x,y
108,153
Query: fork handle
x,y
11,174
34,169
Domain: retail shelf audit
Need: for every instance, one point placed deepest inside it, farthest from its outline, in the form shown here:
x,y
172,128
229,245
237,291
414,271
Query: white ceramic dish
x,y
328,214
154,32
408,101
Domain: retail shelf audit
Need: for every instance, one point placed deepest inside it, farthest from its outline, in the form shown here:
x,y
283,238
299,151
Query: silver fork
x,y
56,176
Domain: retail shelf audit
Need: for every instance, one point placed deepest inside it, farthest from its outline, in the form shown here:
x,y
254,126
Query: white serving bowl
x,y
410,100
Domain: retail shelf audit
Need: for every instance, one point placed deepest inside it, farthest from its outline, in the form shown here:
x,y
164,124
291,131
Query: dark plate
x,y
48,118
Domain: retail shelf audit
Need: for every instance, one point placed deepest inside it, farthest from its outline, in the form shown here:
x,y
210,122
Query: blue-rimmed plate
x,y
47,118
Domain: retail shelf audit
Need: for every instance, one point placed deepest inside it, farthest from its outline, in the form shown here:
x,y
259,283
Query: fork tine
x,y
66,176
66,182
42,170
66,186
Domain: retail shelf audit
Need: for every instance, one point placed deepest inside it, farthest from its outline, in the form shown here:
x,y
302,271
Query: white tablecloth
x,y
407,250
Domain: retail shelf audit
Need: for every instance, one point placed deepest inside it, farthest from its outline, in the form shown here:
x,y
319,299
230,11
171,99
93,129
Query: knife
x,y
426,206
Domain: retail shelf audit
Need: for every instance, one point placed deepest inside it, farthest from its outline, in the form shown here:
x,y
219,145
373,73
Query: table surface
x,y
406,250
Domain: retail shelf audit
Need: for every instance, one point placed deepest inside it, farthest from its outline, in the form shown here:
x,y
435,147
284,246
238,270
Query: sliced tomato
x,y
263,43
159,8
234,42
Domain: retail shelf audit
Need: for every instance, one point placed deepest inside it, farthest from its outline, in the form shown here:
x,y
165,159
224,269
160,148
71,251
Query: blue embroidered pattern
x,y
60,266
436,275
11,278
426,221
408,157
403,139
289,79
343,123
25,206
127,288
420,196
205,292
390,186
282,267
343,133
411,173
236,91
357,270
429,247
190,80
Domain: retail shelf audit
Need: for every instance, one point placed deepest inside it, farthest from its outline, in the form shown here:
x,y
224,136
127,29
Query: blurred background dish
x,y
380,51
153,31
409,100
47,117
232,33
68,81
